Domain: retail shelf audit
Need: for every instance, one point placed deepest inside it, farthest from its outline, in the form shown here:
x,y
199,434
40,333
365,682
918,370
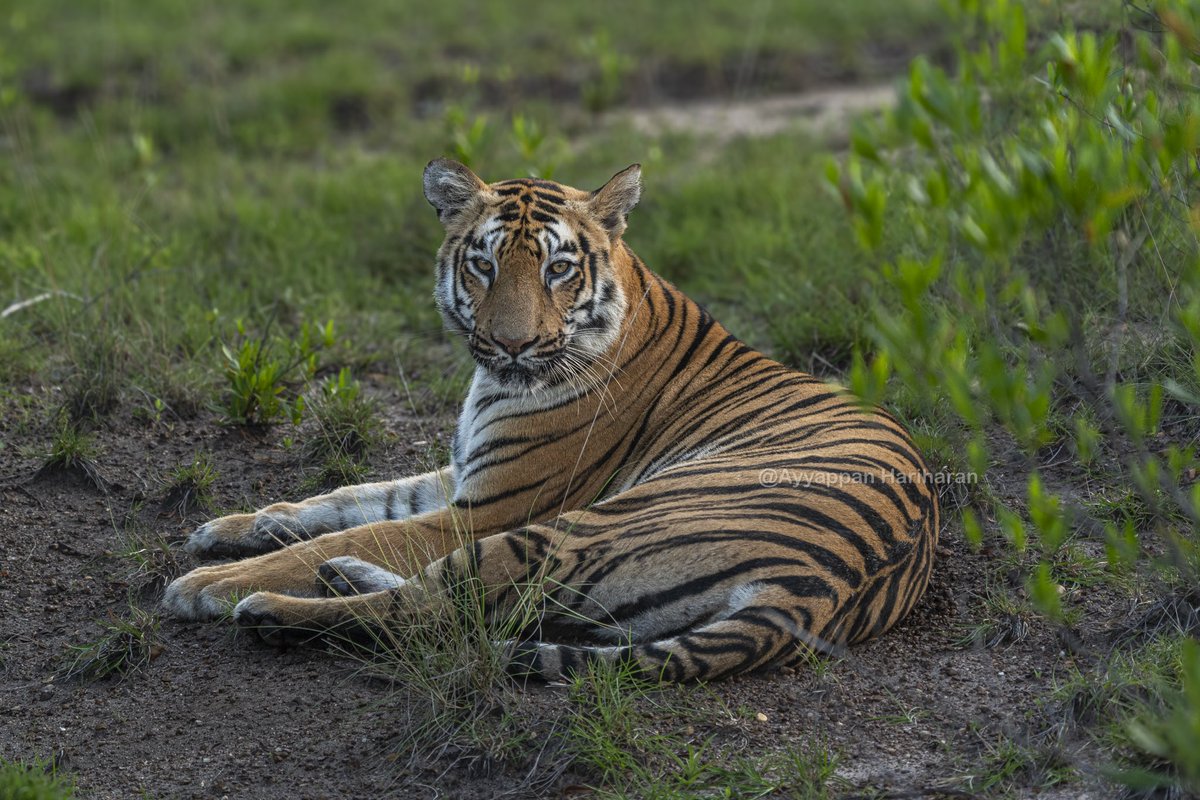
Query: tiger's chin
x,y
527,379
518,378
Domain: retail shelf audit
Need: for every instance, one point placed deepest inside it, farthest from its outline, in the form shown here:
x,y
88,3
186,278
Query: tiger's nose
x,y
514,347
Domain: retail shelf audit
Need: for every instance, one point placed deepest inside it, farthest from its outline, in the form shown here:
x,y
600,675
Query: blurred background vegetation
x,y
171,168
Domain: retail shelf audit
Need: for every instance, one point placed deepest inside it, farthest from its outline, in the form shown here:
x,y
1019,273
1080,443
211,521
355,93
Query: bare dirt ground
x,y
219,715
825,113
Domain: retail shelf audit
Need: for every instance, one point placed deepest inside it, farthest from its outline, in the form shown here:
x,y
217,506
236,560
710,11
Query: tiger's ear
x,y
613,201
450,187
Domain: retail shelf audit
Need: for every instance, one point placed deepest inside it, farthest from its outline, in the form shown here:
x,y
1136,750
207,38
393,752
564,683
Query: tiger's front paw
x,y
205,593
281,619
267,615
243,535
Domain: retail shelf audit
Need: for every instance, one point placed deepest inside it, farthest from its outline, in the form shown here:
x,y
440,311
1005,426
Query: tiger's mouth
x,y
559,364
524,372
518,376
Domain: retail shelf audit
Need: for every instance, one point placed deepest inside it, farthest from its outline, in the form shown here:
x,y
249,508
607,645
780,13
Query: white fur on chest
x,y
491,412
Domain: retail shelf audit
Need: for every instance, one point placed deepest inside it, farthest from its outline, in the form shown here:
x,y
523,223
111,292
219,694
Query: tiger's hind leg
x,y
359,596
753,637
770,632
769,625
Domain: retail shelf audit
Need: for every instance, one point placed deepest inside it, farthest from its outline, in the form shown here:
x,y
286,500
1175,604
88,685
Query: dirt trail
x,y
820,112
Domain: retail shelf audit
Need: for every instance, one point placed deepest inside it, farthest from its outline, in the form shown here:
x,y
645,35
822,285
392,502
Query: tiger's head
x,y
531,271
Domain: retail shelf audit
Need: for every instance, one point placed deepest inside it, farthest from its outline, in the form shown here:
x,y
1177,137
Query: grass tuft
x,y
126,645
1178,612
449,666
153,562
190,486
74,451
1004,619
348,429
36,781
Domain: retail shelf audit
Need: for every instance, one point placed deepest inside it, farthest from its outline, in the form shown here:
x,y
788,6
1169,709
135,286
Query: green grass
x,y
616,733
36,781
348,430
201,178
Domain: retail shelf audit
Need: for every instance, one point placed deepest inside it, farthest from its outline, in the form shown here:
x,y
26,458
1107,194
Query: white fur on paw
x,y
266,532
350,575
184,599
273,530
202,540
250,610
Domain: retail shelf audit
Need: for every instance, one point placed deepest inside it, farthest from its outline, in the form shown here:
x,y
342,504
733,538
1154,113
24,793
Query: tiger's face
x,y
530,272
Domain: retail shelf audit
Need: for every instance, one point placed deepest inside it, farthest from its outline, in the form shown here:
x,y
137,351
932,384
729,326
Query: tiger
x,y
689,507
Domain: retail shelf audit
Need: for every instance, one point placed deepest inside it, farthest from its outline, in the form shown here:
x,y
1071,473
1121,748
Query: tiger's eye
x,y
483,266
561,267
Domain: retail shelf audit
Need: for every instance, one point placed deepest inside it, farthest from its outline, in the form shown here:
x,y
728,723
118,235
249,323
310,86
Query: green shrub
x,y
1037,187
1170,736
257,391
1050,291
